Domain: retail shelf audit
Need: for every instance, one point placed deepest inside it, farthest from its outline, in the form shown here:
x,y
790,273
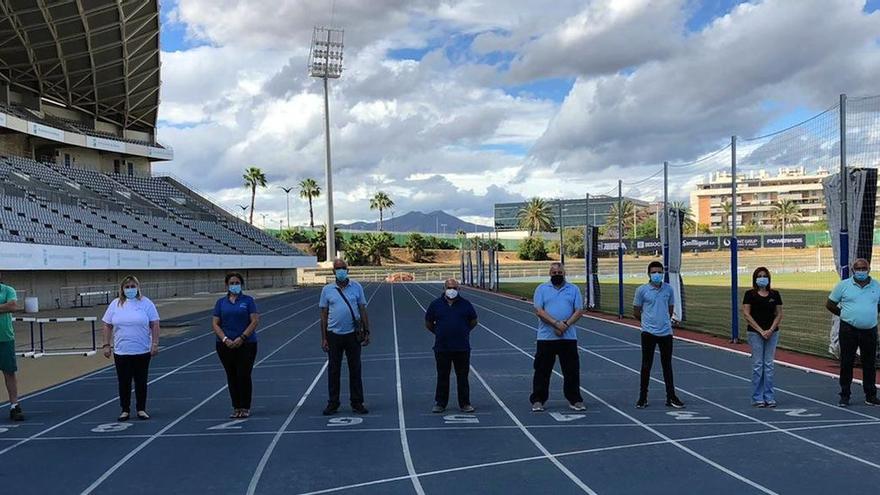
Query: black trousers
x,y
865,340
344,344
545,360
132,367
239,363
649,343
446,360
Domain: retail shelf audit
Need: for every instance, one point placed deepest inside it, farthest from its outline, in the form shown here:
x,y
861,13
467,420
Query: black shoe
x,y
15,413
872,401
843,402
642,403
330,410
123,416
674,402
359,409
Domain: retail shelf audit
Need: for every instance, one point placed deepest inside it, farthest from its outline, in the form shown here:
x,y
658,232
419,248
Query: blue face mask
x,y
130,293
341,274
860,275
656,278
235,288
762,281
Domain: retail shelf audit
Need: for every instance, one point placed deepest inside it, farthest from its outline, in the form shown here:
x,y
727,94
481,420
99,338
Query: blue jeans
x,y
763,352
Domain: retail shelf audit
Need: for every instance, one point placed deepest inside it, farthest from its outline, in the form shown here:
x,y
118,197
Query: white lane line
x,y
404,441
547,455
109,367
261,466
110,401
258,473
713,403
170,425
709,368
673,442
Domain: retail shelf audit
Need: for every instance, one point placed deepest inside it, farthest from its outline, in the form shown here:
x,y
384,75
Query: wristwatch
x,y
225,338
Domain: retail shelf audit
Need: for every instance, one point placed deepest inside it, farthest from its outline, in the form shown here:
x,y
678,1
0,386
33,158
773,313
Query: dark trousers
x,y
239,363
649,342
461,360
865,340
132,367
348,345
545,360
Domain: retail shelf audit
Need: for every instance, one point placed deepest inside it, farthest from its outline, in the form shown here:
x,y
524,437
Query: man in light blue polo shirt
x,y
855,300
343,308
559,305
653,306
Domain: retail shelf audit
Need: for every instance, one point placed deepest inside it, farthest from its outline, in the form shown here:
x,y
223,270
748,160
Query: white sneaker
x,y
537,407
577,406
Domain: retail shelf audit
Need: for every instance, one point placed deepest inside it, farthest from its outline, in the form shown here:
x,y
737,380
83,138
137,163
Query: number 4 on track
x,y
567,418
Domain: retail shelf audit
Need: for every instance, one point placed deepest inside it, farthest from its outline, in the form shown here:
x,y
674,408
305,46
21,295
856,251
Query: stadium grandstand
x,y
79,205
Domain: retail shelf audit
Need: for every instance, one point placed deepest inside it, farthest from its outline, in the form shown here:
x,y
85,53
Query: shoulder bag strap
x,y
350,309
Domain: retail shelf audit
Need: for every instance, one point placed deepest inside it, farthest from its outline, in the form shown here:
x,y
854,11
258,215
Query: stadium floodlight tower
x,y
325,61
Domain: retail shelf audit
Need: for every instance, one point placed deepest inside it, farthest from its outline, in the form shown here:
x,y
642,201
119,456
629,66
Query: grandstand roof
x,y
98,56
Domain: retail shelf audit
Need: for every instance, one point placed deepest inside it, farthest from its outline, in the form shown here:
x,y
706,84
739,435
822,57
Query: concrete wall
x,y
59,289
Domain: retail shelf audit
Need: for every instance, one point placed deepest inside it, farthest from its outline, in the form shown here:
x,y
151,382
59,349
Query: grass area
x,y
805,325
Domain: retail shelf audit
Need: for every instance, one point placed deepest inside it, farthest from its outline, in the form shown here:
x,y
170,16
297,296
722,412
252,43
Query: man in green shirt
x,y
8,304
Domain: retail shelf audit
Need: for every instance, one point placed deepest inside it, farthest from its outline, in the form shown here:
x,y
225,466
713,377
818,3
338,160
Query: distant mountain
x,y
416,221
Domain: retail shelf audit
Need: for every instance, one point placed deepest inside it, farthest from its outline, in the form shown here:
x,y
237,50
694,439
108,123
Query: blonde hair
x,y
126,280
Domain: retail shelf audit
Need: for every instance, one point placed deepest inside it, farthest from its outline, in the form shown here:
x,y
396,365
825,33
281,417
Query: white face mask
x,y
451,293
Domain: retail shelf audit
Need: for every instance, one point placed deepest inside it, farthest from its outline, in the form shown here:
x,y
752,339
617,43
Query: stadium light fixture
x,y
244,209
287,192
325,62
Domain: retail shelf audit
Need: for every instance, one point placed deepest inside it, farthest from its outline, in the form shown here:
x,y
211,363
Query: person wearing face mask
x,y
558,305
762,309
131,322
451,318
855,300
345,329
653,306
235,322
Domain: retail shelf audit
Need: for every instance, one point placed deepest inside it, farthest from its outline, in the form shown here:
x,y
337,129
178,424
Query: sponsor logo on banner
x,y
649,244
163,153
105,144
2,119
792,240
46,132
703,243
743,242
611,246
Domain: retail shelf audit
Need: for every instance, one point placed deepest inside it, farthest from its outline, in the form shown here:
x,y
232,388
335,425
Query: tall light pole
x,y
325,61
264,220
287,192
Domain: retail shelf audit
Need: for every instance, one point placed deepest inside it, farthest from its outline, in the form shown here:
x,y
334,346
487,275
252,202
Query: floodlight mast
x,y
325,61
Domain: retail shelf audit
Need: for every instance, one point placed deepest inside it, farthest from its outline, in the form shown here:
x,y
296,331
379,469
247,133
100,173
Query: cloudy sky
x,y
459,104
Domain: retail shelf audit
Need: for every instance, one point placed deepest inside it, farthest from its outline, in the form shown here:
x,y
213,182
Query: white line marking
x,y
258,473
577,481
170,425
404,442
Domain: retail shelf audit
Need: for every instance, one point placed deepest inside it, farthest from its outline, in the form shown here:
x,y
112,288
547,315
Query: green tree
x,y
785,213
533,248
318,242
687,214
380,201
726,212
535,216
378,246
253,178
628,209
417,247
309,190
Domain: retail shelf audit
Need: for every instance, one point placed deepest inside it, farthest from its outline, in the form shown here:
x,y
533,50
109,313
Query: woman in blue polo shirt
x,y
235,323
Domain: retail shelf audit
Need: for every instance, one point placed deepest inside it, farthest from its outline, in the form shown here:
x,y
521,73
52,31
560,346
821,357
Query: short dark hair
x,y
755,277
654,264
231,275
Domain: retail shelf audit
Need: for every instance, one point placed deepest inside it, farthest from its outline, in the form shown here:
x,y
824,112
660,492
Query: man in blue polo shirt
x,y
451,318
343,305
558,305
855,300
653,306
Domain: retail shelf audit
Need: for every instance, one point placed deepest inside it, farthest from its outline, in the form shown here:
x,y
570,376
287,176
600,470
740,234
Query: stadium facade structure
x,y
79,207
573,212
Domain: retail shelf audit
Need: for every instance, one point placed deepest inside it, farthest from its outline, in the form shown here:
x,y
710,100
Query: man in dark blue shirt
x,y
451,318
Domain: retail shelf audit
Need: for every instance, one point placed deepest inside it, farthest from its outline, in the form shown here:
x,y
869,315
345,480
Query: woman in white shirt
x,y
133,323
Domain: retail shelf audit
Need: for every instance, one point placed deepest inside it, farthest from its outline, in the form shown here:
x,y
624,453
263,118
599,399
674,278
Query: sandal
x,y
143,415
236,413
244,413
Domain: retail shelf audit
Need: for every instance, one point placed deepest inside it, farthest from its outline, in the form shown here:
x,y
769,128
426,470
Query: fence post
x,y
844,186
620,248
734,270
665,230
587,278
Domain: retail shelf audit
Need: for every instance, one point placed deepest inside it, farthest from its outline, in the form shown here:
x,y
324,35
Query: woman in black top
x,y
762,308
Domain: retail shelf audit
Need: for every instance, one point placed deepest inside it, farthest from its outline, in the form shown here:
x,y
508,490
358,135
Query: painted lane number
x,y
566,418
112,427
229,425
6,428
798,413
686,415
344,421
460,419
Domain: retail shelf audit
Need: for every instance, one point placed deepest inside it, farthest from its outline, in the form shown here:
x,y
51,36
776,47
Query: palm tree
x,y
535,216
381,202
684,210
309,189
626,220
727,211
253,178
785,212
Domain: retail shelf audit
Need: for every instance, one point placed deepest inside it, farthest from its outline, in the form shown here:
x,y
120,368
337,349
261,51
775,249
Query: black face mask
x,y
557,279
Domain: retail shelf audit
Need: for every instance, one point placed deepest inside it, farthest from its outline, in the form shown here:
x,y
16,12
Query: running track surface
x,y
719,444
